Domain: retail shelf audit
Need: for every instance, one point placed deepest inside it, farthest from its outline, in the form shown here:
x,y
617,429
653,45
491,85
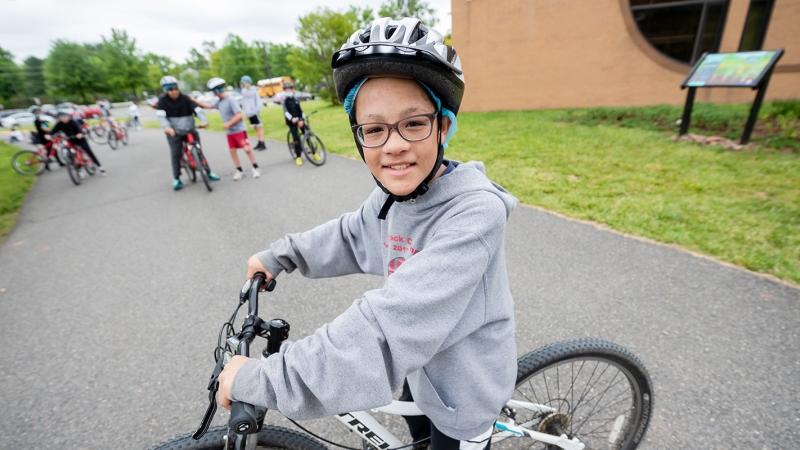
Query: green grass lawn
x,y
741,207
13,188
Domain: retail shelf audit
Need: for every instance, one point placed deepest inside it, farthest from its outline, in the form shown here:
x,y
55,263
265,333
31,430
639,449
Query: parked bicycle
x,y
576,394
310,143
97,133
116,134
34,162
194,161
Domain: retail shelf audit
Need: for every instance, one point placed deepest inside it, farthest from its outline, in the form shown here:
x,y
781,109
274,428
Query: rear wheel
x,y
269,437
97,134
113,141
27,162
197,154
124,138
596,391
314,149
187,167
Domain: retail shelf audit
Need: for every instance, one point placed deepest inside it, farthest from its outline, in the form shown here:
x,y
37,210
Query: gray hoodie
x,y
444,317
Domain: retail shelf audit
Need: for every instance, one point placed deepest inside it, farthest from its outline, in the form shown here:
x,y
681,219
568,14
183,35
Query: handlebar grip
x,y
243,418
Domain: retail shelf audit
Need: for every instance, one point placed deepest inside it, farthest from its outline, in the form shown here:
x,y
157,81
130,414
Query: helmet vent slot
x,y
389,31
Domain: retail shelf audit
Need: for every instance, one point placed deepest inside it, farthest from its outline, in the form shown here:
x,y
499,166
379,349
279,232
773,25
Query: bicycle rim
x,y
601,394
73,170
124,137
198,159
112,139
28,162
290,144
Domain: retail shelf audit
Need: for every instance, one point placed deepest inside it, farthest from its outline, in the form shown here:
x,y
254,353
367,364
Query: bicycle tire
x,y
187,167
113,141
540,375
97,134
312,145
89,165
124,139
28,162
197,154
268,437
290,144
73,170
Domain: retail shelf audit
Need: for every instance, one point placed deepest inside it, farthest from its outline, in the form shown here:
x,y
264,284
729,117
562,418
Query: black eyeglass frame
x,y
394,126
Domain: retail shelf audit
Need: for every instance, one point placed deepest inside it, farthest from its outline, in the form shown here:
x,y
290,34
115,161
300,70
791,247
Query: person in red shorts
x,y
234,126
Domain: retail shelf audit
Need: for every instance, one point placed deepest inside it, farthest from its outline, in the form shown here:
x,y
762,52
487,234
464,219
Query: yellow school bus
x,y
271,86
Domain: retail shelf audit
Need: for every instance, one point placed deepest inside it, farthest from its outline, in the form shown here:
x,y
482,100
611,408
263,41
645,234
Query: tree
x,y
10,80
419,9
33,74
321,33
273,58
157,67
72,69
234,59
124,68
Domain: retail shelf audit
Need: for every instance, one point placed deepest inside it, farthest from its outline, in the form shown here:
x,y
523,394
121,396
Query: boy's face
x,y
63,119
222,94
398,164
246,84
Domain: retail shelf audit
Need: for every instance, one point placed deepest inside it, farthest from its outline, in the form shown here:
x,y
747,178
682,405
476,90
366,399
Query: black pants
x,y
296,135
84,145
176,151
421,427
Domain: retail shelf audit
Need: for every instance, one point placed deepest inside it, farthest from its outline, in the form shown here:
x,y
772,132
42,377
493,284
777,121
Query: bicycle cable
x,y
353,448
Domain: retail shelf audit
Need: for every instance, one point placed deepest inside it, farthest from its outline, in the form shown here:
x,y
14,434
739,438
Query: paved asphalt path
x,y
112,293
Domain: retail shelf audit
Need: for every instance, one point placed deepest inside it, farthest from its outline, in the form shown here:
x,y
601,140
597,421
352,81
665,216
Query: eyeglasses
x,y
412,129
170,87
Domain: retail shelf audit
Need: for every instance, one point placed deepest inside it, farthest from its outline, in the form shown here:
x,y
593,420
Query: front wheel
x,y
27,162
97,134
314,149
268,437
124,133
593,390
73,170
113,140
197,154
191,173
290,144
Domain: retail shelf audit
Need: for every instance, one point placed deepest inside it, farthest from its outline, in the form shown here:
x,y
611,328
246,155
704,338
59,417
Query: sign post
x,y
743,69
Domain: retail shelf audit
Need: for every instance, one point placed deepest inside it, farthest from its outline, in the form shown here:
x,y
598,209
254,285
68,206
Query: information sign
x,y
743,69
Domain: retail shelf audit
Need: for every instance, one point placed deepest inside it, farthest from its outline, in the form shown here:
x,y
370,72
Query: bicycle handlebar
x,y
244,417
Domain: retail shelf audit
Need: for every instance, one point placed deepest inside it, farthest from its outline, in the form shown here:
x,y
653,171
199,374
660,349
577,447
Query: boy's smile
x,y
398,164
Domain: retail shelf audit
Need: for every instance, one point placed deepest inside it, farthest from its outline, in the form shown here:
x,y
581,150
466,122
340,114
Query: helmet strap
x,y
423,187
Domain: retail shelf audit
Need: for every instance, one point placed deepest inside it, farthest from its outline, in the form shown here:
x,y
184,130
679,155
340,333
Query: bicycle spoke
x,y
595,406
589,386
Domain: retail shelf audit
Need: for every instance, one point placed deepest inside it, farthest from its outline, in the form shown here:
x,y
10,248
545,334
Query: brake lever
x,y
213,387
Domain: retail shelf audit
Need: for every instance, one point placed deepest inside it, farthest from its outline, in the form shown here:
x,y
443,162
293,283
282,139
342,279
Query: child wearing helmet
x,y
442,326
235,129
251,105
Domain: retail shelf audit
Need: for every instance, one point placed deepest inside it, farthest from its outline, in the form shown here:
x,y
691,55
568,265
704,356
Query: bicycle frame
x,y
248,418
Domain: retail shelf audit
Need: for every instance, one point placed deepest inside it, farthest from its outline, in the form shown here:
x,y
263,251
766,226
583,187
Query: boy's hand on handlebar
x,y
254,266
169,131
226,380
203,124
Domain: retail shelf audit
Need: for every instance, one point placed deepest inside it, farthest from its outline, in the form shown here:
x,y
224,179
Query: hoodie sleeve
x,y
359,359
341,246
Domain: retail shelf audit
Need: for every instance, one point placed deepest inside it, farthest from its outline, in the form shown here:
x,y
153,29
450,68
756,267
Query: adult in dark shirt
x,y
75,134
175,112
293,114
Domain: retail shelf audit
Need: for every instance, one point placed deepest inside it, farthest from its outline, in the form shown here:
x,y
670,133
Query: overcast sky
x,y
167,27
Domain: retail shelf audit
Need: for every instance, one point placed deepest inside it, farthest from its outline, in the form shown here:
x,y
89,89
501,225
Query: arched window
x,y
681,30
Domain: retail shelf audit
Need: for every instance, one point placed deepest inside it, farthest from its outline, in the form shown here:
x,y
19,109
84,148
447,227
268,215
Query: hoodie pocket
x,y
429,401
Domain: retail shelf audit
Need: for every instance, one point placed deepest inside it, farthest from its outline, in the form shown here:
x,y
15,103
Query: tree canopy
x,y
397,9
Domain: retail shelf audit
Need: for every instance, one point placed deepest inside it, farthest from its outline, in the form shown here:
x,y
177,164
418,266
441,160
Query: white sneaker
x,y
239,175
256,173
81,174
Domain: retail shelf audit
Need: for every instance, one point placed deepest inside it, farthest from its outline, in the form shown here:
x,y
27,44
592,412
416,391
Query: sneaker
x,y
102,171
238,176
177,184
317,157
298,161
82,174
256,173
212,176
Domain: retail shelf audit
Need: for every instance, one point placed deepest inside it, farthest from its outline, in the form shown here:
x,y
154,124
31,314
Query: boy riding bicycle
x,y
294,120
175,112
442,325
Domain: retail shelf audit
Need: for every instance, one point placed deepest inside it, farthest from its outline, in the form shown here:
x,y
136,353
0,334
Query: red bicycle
x,y
116,134
78,162
193,161
34,162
